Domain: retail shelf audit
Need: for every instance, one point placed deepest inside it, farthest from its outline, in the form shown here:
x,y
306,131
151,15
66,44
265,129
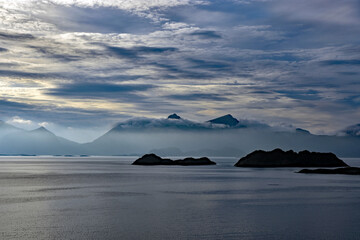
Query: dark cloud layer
x,y
207,34
54,54
89,90
341,62
198,97
6,105
136,52
16,36
24,74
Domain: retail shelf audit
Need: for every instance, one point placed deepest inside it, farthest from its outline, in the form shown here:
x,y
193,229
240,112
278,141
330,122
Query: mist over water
x,y
178,137
108,198
217,142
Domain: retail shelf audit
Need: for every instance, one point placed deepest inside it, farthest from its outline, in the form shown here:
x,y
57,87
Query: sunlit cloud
x,y
19,120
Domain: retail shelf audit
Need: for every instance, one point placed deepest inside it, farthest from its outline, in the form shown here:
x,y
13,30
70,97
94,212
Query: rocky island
x,y
280,158
152,159
345,170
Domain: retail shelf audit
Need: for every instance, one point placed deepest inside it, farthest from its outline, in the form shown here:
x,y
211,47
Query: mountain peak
x,y
226,120
41,130
174,116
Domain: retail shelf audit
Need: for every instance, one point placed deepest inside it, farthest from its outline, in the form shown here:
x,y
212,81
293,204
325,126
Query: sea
x,y
56,197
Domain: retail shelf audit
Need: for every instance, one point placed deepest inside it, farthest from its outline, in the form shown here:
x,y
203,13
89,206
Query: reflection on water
x,y
107,198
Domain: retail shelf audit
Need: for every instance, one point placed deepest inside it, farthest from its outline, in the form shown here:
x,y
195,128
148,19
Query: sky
x,y
78,67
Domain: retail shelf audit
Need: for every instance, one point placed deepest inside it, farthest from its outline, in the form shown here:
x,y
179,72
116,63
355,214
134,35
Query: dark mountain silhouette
x,y
223,136
302,131
174,116
225,120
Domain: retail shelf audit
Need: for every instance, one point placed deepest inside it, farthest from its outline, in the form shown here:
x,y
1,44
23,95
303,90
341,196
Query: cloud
x,y
341,62
55,54
23,74
184,124
136,52
319,11
353,130
100,90
209,65
207,34
197,97
100,19
171,71
6,105
148,123
301,95
16,36
139,5
259,32
352,100
272,60
141,123
44,124
19,120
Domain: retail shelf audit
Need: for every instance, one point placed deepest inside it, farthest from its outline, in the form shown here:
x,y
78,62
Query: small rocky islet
x,y
280,158
267,159
152,159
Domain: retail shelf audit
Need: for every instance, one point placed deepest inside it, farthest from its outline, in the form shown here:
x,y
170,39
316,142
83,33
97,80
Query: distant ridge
x,y
226,120
39,141
6,128
6,125
173,136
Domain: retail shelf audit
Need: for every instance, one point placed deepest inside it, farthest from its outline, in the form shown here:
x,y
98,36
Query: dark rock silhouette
x,y
345,170
226,120
152,159
174,116
280,158
302,131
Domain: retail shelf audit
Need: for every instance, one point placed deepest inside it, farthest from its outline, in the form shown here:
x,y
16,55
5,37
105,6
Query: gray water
x,y
107,198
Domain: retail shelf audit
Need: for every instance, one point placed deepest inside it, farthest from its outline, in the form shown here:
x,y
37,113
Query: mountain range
x,y
39,141
222,136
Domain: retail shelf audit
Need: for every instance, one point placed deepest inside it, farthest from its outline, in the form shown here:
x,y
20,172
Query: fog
x,y
176,137
217,142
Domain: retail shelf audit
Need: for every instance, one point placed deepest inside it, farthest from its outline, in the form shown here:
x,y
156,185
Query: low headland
x,y
152,159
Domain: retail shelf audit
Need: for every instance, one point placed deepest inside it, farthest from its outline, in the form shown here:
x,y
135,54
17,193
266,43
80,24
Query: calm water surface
x,y
107,198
